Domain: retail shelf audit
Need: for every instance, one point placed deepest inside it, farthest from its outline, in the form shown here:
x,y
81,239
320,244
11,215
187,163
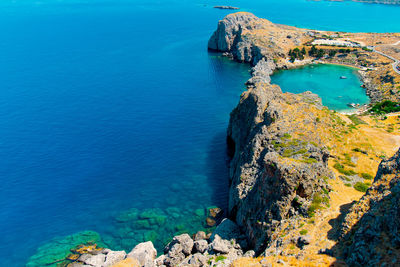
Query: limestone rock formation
x,y
371,229
267,183
248,38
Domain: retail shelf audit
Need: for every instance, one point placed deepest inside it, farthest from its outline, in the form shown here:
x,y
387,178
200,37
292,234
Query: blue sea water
x,y
108,105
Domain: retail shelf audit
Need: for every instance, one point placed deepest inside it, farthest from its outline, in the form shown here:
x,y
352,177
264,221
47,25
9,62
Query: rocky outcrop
x,y
235,36
370,233
272,172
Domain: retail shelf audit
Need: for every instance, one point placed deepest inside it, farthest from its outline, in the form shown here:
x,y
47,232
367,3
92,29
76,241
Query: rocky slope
x,y
370,233
275,172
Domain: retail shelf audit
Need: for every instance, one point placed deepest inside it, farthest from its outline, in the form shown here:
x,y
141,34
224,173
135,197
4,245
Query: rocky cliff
x,y
370,233
275,170
248,38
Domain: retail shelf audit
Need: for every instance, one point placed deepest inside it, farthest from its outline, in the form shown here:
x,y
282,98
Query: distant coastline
x,y
384,2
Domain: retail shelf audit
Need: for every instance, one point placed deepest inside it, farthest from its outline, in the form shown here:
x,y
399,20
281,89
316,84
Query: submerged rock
x,y
57,251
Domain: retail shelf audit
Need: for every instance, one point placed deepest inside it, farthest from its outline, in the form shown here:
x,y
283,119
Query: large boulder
x,y
113,257
144,253
177,250
219,245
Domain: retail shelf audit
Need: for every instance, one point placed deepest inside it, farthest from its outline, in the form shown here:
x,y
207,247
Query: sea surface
x,y
113,114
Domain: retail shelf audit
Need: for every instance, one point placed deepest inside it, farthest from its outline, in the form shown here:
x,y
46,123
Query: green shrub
x,y
287,152
342,170
359,186
303,232
287,136
385,106
309,160
220,258
366,176
356,120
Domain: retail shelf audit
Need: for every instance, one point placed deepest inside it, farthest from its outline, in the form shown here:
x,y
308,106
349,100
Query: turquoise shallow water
x,y
325,81
113,114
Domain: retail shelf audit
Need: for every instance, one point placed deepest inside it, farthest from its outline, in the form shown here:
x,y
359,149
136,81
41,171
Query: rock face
x,y
371,229
273,174
267,183
235,37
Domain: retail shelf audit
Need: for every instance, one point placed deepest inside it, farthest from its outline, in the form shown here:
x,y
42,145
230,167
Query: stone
x,y
113,257
210,222
198,260
215,212
265,263
175,254
249,254
200,235
220,246
160,260
144,253
186,242
201,245
95,260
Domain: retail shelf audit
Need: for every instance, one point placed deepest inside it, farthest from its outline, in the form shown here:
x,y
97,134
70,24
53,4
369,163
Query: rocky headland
x,y
298,174
247,38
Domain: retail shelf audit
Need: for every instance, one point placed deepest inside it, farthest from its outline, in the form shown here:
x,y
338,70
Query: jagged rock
x,y
198,260
201,245
370,231
249,254
200,235
228,30
263,184
220,246
160,260
185,241
175,255
303,241
113,257
145,253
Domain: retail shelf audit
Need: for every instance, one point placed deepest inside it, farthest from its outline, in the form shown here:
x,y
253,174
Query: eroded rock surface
x,y
371,229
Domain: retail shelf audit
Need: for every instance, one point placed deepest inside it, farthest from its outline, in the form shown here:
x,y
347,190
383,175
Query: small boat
x,y
343,77
353,105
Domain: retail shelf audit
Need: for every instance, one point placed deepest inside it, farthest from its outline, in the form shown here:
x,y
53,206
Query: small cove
x,y
325,81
